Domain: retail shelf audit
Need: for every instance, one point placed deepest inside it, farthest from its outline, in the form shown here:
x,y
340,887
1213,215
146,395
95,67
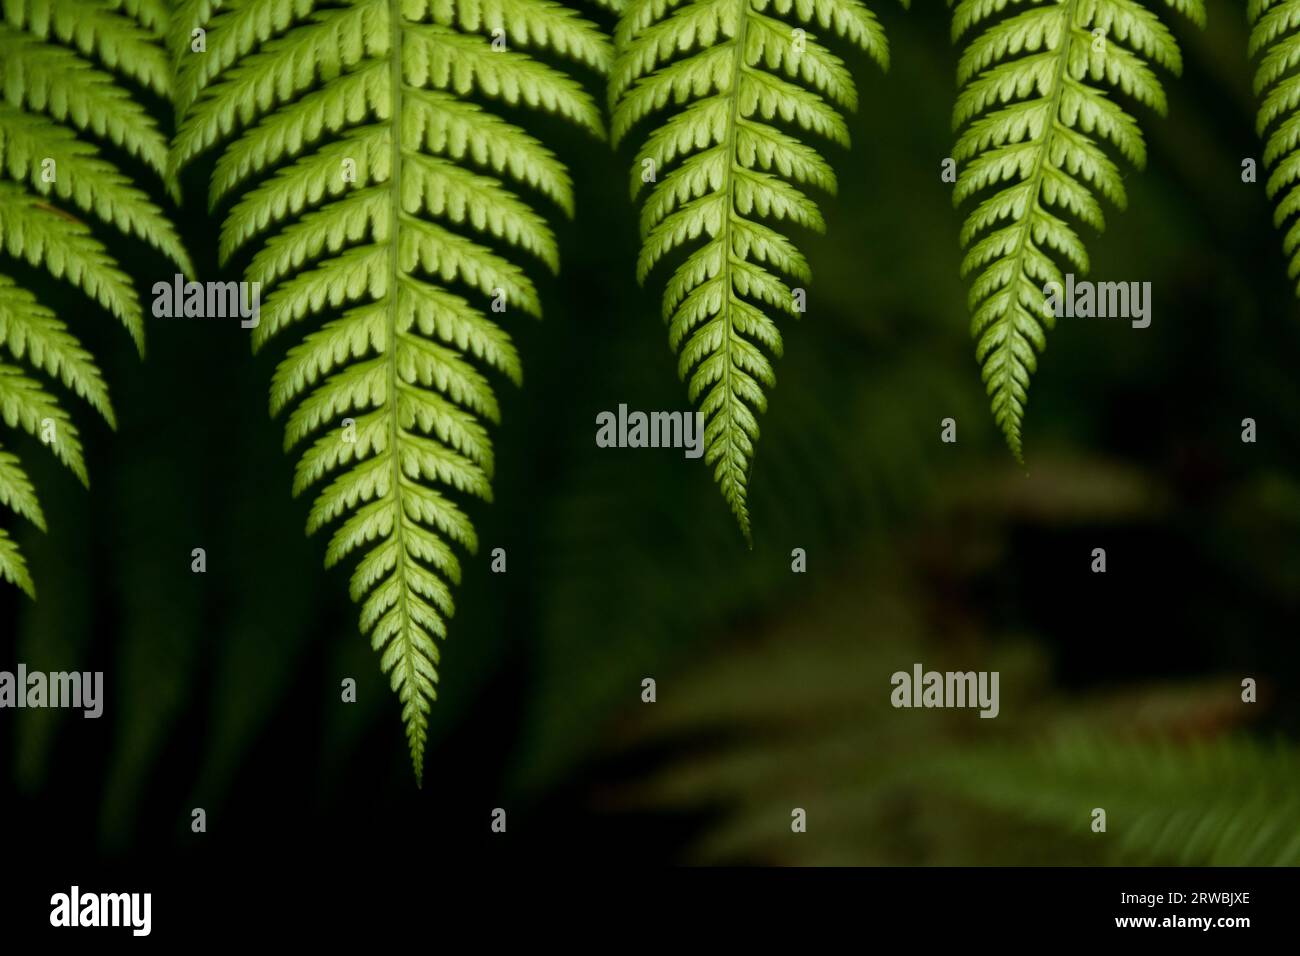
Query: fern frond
x,y
61,67
1275,40
1228,801
383,193
732,71
1036,108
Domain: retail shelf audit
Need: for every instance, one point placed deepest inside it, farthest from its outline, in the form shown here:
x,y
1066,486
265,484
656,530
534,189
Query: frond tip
x,y
732,72
385,204
1033,114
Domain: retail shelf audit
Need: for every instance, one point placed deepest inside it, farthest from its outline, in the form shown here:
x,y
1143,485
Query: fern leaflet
x,y
1275,39
732,71
62,63
375,187
1033,112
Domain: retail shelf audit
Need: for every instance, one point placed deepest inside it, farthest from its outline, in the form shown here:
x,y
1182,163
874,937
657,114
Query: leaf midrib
x,y
729,148
396,24
1035,189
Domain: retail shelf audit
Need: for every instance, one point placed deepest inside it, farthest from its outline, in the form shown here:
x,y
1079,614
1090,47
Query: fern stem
x,y
410,686
737,498
1013,436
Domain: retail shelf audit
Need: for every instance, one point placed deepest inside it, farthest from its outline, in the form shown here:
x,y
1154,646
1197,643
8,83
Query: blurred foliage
x,y
1229,802
799,716
223,689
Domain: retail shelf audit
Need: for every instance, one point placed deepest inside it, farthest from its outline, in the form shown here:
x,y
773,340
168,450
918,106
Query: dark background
x,y
223,688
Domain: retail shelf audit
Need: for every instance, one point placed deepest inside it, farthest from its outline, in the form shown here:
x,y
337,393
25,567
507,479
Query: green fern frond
x,y
62,63
1275,40
1036,107
733,72
383,193
1228,801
